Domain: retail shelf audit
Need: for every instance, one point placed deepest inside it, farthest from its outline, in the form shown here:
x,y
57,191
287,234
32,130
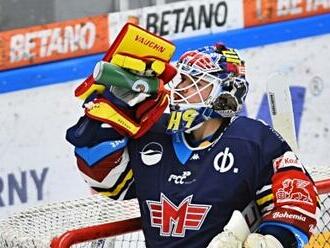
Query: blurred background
x,y
47,48
24,13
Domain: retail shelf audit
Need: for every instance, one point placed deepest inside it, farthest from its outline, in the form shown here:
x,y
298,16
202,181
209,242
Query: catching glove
x,y
234,233
129,51
256,240
137,97
131,122
126,89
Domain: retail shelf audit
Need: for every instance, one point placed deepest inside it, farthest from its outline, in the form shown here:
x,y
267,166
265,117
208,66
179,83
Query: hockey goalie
x,y
193,168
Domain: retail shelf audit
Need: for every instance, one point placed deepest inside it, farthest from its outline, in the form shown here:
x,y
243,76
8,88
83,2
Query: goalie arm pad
x,y
285,193
290,197
105,167
102,158
89,132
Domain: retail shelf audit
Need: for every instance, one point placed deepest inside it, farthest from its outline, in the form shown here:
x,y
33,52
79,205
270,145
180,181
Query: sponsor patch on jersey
x,y
151,153
294,190
174,220
184,178
292,217
286,215
287,160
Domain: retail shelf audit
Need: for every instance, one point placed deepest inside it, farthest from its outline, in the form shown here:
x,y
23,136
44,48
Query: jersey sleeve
x,y
102,158
287,196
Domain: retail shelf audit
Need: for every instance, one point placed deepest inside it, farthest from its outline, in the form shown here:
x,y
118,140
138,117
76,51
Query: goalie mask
x,y
212,85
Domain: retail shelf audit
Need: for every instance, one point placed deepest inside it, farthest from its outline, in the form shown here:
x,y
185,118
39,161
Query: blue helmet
x,y
222,72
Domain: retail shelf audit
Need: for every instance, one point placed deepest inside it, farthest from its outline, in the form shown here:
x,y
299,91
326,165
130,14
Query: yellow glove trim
x,y
128,62
158,66
94,87
106,112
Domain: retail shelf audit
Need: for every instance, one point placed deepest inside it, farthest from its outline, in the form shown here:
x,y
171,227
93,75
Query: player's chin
x,y
194,101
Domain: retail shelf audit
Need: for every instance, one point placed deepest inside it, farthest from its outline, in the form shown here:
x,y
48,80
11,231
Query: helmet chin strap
x,y
189,130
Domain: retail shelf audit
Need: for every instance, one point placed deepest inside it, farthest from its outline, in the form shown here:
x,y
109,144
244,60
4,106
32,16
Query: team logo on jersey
x,y
175,220
152,153
224,161
294,190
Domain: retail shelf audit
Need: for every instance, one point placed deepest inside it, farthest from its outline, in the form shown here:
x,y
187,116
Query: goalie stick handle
x,y
280,108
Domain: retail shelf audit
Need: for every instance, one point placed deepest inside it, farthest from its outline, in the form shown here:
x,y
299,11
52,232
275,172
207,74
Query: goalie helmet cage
x,y
89,222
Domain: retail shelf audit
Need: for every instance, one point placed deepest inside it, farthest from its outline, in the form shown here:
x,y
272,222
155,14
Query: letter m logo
x,y
175,220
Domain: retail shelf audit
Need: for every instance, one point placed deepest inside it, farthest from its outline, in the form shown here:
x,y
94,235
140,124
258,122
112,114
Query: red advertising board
x,y
258,12
55,41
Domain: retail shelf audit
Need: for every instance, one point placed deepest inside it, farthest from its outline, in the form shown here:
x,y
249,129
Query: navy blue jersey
x,y
171,178
187,194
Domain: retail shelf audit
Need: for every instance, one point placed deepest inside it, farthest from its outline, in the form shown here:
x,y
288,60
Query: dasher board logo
x,y
174,220
152,153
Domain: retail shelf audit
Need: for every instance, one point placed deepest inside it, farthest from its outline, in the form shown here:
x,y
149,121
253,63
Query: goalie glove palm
x,y
225,240
256,240
234,233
